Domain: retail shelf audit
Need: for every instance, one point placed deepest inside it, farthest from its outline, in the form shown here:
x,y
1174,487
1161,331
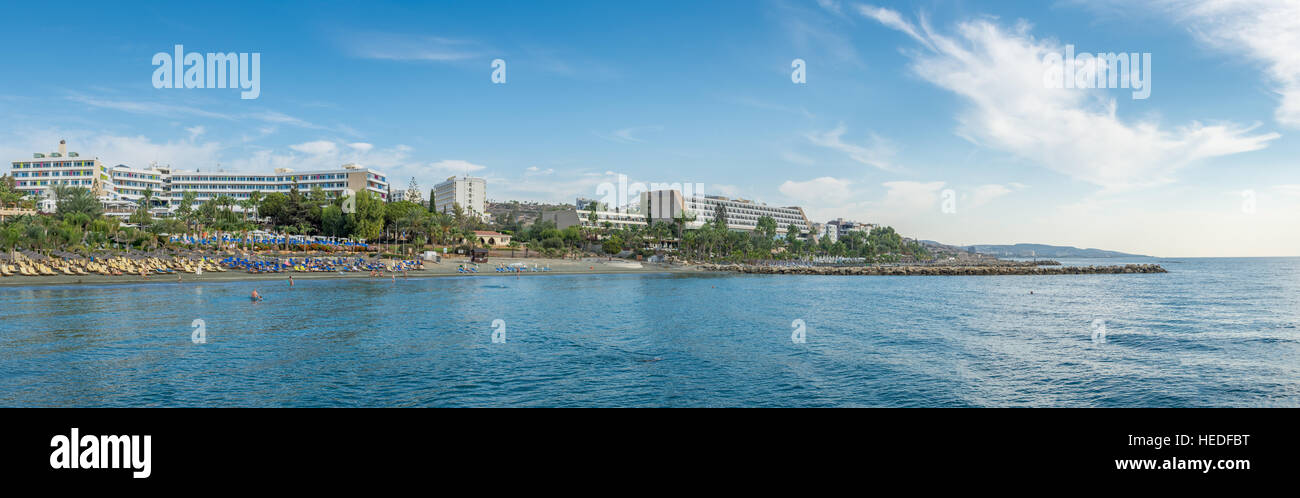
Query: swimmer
x,y
290,280
256,296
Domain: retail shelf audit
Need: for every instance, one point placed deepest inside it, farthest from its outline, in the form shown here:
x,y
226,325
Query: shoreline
x,y
445,269
938,270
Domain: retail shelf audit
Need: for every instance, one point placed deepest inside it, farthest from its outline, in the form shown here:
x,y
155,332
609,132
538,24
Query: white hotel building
x,y
667,205
122,184
469,192
742,214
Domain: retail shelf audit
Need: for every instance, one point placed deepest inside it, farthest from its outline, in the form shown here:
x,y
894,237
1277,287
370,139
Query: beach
x,y
447,268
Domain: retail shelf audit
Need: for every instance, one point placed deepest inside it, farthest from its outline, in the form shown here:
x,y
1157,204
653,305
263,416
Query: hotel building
x,y
668,205
742,214
208,186
120,184
46,171
469,192
582,218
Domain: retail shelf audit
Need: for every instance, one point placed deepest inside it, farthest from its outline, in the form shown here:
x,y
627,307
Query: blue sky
x,y
903,101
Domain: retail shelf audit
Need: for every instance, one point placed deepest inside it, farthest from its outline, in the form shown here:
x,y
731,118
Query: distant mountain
x,y
1043,251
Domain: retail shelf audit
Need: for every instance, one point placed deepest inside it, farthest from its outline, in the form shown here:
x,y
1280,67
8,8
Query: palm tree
x,y
255,200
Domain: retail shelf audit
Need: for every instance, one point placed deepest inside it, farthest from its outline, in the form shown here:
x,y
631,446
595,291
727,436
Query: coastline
x,y
938,270
446,269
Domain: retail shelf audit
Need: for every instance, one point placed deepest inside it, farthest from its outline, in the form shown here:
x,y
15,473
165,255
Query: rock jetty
x,y
934,270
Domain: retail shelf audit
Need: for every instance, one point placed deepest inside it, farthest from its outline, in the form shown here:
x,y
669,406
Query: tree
x,y
333,222
70,200
368,220
433,208
274,206
720,217
185,208
765,227
413,192
612,245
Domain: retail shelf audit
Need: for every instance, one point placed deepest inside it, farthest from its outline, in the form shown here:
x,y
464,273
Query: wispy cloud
x,y
408,47
1267,31
147,107
629,135
999,73
455,166
877,153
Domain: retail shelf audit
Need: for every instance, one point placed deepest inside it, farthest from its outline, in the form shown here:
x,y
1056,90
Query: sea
x,y
1210,332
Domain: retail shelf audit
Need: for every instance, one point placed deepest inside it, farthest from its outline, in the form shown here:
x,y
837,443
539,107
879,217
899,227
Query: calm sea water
x,y
1211,332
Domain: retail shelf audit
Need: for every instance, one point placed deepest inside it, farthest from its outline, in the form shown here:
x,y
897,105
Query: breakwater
x,y
921,270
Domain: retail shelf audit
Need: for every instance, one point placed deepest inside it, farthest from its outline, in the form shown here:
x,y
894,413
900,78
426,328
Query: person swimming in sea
x,y
256,297
290,280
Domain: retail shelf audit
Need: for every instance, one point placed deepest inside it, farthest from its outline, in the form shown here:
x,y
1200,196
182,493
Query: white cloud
x,y
818,190
812,32
149,108
892,19
361,146
628,135
455,166
832,6
1267,31
400,47
113,149
911,196
877,154
195,131
982,194
1074,132
317,148
723,189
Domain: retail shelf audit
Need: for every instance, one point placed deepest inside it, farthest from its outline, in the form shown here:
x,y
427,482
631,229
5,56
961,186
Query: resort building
x,y
827,231
48,170
208,186
492,239
741,214
582,217
121,186
668,205
843,227
470,193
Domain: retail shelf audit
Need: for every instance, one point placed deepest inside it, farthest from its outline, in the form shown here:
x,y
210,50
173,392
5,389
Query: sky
x,y
934,117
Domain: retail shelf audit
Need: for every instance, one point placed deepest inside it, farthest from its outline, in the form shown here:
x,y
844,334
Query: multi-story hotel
x,y
118,184
469,192
742,214
582,217
46,171
668,205
208,185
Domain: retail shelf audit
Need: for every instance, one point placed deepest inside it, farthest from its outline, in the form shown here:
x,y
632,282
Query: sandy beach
x,y
448,268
